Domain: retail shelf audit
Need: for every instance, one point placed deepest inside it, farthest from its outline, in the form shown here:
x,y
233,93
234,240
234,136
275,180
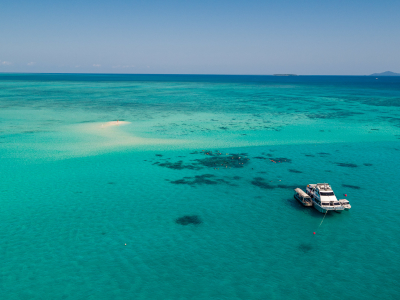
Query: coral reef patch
x,y
323,153
262,183
355,187
305,247
218,160
186,220
346,165
202,179
280,160
179,165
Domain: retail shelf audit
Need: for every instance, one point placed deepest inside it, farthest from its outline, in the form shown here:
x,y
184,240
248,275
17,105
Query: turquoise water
x,y
89,206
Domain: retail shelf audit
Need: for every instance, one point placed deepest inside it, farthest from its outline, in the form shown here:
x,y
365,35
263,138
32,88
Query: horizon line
x,y
183,74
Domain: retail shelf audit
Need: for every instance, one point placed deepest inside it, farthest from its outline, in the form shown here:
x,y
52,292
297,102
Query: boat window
x,y
325,203
337,203
327,194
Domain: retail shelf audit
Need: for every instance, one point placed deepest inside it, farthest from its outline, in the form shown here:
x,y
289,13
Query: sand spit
x,y
114,123
109,136
87,139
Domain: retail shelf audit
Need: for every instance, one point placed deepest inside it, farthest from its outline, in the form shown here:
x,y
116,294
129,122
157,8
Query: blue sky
x,y
201,37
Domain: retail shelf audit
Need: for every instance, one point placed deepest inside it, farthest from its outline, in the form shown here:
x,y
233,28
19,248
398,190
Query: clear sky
x,y
321,37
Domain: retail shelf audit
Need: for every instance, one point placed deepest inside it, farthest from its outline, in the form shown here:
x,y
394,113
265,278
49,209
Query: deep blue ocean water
x,y
89,206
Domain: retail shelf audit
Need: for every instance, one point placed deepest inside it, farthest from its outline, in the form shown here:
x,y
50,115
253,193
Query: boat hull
x,y
319,208
303,203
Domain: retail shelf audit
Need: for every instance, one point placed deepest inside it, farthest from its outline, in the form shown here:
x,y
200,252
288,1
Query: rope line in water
x,y
322,219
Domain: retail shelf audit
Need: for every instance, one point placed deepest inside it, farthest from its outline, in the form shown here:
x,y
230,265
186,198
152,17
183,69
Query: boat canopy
x,y
324,186
301,193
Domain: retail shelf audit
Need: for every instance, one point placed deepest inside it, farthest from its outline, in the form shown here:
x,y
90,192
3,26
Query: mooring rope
x,y
322,219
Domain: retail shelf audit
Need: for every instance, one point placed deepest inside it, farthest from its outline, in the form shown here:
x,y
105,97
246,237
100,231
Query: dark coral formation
x,y
346,165
280,160
305,247
186,220
323,153
202,179
218,160
213,159
334,115
294,171
179,165
260,182
351,186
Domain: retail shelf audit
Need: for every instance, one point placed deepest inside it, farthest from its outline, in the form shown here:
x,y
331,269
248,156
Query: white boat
x,y
323,198
302,197
345,203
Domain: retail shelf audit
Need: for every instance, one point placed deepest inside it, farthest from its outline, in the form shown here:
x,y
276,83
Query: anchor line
x,y
322,219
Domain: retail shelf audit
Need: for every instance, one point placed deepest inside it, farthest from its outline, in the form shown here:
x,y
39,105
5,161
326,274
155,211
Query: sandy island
x,y
114,123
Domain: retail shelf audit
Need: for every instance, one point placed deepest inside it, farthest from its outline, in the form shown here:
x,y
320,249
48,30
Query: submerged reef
x,y
351,186
212,160
186,220
334,115
294,171
305,247
219,160
323,153
178,165
280,160
346,165
368,165
203,179
262,183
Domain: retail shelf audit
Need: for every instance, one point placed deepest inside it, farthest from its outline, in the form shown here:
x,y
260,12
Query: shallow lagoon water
x,y
89,211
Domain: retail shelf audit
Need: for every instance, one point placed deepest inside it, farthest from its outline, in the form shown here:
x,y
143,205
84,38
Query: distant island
x,y
387,73
285,75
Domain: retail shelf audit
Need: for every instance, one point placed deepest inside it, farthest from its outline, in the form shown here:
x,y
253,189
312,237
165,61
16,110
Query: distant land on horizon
x,y
387,73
